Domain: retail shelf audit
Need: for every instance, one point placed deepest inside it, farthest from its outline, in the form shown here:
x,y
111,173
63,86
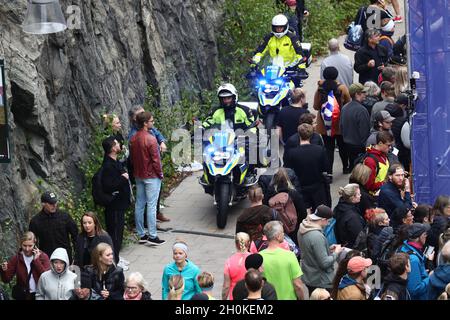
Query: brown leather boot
x,y
162,218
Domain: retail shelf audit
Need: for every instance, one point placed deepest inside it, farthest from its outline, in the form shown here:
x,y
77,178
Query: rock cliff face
x,y
58,84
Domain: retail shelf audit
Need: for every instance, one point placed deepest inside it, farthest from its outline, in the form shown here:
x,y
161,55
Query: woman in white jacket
x,y
58,282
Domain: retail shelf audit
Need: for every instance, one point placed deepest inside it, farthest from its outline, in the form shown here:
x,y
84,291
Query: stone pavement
x,y
191,210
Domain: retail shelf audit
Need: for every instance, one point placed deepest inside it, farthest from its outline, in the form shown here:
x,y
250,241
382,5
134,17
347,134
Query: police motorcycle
x,y
273,85
225,169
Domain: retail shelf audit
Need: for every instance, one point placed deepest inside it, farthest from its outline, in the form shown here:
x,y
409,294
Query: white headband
x,y
182,246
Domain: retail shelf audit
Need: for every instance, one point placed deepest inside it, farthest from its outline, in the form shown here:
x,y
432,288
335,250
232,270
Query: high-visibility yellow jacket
x,y
288,46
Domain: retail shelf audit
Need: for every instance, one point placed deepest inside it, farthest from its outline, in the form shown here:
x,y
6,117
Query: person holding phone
x,y
27,265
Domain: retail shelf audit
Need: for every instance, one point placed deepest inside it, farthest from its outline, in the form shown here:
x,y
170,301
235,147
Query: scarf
x,y
138,297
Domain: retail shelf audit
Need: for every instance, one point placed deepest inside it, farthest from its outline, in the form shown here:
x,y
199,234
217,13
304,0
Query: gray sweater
x,y
355,124
317,261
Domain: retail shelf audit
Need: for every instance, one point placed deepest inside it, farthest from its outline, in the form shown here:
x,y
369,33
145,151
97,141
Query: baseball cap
x,y
254,261
322,212
49,197
358,264
417,229
383,115
357,88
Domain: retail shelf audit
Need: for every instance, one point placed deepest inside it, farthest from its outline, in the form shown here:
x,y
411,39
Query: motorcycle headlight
x,y
210,149
262,82
279,81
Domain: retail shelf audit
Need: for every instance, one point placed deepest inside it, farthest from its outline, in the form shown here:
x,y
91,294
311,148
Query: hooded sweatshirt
x,y
189,273
54,286
395,286
438,281
350,289
317,261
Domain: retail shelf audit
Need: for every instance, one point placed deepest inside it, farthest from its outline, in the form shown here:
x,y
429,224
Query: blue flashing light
x,y
262,82
279,81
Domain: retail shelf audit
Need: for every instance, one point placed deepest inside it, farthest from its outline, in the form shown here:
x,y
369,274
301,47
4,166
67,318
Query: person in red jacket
x,y
378,162
28,259
147,171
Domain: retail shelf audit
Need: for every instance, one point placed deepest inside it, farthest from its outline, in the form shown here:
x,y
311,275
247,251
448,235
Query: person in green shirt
x,y
281,267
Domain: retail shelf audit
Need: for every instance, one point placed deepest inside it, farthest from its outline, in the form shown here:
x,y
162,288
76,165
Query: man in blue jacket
x,y
441,275
396,193
418,279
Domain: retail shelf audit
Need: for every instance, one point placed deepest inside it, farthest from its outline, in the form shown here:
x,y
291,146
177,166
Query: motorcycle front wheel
x,y
222,195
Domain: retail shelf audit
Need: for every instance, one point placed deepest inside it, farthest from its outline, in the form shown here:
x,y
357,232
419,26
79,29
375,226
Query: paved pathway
x,y
191,210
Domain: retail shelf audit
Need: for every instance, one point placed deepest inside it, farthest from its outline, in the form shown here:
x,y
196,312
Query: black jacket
x,y
82,243
113,182
349,223
264,182
437,227
240,292
294,141
395,287
113,280
146,296
363,56
55,230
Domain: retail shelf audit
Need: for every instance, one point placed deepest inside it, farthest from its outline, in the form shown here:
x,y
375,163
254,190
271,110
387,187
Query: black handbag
x,y
18,292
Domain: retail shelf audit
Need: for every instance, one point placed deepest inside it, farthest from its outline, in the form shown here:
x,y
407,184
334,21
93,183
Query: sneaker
x,y
398,19
144,239
123,266
125,262
156,241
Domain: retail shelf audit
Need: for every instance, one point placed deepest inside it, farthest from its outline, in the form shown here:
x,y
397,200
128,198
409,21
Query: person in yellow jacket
x,y
281,41
239,117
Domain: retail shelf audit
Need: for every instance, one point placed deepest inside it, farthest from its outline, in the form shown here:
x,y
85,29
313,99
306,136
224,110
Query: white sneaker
x,y
125,262
123,266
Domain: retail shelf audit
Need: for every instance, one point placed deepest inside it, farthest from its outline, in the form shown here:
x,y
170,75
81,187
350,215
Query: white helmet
x,y
280,20
227,90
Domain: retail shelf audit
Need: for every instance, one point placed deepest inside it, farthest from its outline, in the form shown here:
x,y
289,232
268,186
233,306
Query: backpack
x,y
386,252
362,157
329,232
330,112
361,241
355,32
100,197
286,211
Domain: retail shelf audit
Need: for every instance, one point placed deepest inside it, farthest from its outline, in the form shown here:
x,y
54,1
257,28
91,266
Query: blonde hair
x,y
319,294
255,194
360,174
27,236
401,80
108,120
95,258
446,294
281,180
205,280
348,191
138,278
176,287
242,241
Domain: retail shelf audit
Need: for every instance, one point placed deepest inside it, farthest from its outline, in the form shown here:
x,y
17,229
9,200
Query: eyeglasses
x,y
132,288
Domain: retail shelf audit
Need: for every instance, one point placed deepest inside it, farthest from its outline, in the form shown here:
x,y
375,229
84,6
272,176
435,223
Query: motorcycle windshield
x,y
272,72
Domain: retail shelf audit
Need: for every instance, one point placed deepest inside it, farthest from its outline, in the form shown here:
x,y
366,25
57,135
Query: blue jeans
x,y
147,192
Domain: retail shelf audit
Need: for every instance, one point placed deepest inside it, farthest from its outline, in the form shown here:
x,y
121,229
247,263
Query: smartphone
x,y
428,250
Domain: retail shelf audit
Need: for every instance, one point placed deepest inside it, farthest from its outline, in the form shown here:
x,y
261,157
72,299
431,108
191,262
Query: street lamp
x,y
43,17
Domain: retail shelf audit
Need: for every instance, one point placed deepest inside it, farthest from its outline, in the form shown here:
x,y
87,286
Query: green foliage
x,y
169,118
246,24
328,19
